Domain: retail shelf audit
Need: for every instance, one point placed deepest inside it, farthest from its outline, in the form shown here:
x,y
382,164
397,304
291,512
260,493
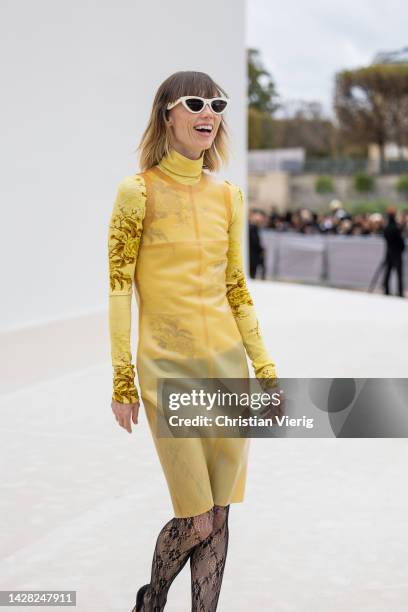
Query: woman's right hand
x,y
124,413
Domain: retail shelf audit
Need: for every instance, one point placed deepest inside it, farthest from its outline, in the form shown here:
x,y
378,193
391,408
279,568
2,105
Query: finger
x,y
135,414
126,422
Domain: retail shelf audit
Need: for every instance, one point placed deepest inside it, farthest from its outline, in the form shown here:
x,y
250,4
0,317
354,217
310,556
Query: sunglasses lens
x,y
218,105
195,105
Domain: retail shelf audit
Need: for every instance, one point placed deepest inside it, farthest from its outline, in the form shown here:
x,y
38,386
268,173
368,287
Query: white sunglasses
x,y
195,104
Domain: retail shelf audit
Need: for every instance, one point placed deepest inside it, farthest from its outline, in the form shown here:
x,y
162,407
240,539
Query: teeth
x,y
204,126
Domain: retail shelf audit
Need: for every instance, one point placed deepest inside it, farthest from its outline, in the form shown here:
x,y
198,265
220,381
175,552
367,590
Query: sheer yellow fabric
x,y
240,299
175,239
125,232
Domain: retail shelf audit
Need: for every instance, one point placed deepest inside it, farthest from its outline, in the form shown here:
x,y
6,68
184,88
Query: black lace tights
x,y
204,540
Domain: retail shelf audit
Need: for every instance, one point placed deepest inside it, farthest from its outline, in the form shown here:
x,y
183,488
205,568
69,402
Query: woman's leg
x,y
207,562
173,547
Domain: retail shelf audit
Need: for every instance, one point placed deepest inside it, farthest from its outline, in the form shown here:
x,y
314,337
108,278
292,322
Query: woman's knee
x,y
203,524
220,517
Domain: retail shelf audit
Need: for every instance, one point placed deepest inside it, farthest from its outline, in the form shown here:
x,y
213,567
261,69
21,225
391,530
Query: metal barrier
x,y
327,259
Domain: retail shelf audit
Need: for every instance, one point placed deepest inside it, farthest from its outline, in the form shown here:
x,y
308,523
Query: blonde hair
x,y
155,142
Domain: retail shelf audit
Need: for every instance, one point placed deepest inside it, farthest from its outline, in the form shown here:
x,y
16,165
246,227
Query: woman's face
x,y
186,138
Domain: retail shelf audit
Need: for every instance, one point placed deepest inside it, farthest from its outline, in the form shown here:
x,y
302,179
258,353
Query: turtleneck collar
x,y
181,168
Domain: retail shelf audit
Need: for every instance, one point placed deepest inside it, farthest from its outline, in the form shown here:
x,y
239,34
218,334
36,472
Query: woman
x,y
175,235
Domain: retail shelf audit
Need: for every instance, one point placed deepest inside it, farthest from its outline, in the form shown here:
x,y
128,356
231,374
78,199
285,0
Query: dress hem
x,y
233,501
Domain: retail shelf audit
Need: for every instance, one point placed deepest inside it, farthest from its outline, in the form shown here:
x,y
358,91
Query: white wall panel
x,y
78,82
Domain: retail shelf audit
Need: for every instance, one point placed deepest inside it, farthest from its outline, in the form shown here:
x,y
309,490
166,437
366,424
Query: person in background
x,y
376,224
395,247
338,211
404,223
256,250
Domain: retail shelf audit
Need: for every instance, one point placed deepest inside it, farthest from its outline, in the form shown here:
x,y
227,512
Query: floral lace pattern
x,y
204,540
125,230
239,297
238,294
267,376
170,334
124,390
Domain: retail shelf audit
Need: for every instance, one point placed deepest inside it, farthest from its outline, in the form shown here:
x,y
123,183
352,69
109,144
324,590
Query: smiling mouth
x,y
204,129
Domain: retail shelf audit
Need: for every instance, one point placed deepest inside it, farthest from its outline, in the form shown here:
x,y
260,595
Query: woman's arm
x,y
238,295
125,230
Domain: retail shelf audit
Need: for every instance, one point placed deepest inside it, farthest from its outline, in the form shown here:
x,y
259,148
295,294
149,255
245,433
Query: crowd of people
x,y
392,226
337,221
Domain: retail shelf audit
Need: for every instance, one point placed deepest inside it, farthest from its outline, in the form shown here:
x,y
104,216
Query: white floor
x,y
324,526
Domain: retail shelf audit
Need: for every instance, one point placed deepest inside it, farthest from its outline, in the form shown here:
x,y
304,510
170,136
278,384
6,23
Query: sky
x,y
303,43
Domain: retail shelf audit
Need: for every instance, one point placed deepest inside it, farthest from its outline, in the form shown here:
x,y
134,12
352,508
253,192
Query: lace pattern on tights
x,y
204,540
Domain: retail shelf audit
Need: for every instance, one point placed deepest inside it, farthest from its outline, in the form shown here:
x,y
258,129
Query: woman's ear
x,y
167,118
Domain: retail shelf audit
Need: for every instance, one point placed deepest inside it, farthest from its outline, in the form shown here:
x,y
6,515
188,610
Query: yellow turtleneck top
x,y
125,231
181,168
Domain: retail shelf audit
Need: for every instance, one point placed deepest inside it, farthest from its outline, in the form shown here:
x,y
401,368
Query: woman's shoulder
x,y
133,183
132,190
236,190
236,199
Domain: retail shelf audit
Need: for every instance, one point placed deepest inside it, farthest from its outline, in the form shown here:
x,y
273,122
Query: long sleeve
x,y
125,230
239,297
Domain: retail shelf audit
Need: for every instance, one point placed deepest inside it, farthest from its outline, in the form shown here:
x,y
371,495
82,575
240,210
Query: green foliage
x,y
402,184
261,87
260,130
363,182
324,184
373,206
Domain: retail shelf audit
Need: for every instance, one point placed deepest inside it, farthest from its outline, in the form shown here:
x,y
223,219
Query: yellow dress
x,y
175,237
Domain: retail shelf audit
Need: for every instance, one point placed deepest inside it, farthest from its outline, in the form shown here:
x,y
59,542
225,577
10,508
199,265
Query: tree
x,y
302,124
261,130
262,103
371,103
262,93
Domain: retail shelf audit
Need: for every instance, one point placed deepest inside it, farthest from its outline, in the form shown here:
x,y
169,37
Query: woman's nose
x,y
207,111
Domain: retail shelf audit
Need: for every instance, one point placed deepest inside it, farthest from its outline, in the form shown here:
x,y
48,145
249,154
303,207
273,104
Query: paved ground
x,y
324,525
